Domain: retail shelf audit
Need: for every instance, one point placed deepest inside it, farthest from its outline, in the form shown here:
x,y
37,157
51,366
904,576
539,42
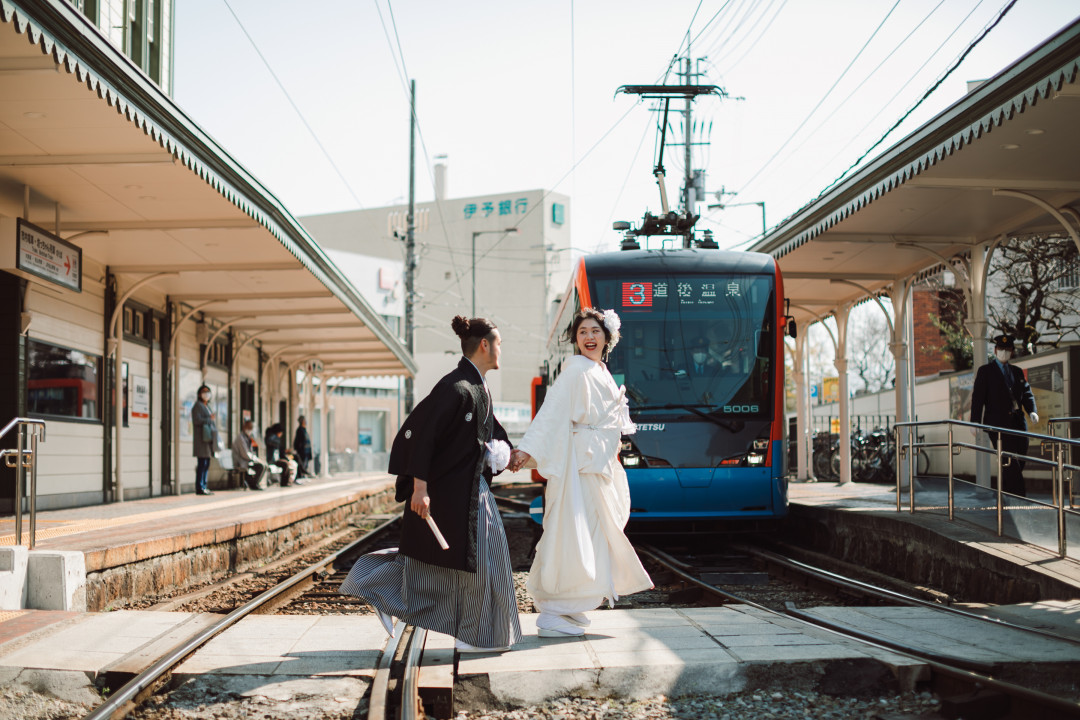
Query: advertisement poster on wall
x,y
140,398
830,390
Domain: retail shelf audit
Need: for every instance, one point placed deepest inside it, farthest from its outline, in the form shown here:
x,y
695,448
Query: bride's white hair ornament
x,y
612,323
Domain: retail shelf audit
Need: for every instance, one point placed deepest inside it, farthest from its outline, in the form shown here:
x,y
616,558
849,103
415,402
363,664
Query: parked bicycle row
x,y
873,456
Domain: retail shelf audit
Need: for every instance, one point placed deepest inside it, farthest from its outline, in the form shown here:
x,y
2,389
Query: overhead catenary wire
x,y
828,92
295,107
912,77
763,33
986,31
403,74
858,87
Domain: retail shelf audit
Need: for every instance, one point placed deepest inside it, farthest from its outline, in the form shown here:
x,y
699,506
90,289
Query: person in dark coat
x,y
444,455
999,398
302,447
205,440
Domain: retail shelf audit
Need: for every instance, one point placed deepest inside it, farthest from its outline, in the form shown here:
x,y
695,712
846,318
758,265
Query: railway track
x,y
967,685
125,699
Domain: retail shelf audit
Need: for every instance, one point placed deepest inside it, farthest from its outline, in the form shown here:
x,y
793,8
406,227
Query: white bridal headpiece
x,y
612,323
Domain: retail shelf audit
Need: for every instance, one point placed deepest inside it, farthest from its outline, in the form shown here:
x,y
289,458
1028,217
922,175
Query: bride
x,y
583,558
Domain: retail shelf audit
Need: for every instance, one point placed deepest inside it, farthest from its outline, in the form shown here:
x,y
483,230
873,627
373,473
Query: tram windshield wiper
x,y
730,425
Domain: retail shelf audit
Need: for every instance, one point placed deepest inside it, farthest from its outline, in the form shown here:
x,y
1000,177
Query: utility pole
x,y
688,179
410,244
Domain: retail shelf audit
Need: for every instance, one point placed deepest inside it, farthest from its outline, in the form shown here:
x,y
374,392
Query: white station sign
x,y
41,253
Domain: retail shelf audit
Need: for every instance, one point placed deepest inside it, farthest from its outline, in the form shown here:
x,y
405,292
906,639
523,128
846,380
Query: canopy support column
x,y
802,417
324,429
841,315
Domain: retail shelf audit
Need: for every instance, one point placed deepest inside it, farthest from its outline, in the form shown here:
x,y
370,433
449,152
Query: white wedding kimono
x,y
583,556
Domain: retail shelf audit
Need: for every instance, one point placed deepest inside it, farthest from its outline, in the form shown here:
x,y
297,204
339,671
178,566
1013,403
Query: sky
x,y
312,98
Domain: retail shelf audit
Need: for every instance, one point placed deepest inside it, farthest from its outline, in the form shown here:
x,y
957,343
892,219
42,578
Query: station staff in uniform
x,y
444,454
999,398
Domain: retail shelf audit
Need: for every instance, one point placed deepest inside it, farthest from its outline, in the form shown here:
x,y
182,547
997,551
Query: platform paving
x,y
625,653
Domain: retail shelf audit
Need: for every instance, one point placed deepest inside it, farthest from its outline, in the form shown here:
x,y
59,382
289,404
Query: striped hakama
x,y
478,608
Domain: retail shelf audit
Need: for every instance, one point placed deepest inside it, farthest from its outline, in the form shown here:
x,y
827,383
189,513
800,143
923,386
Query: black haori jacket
x,y
442,442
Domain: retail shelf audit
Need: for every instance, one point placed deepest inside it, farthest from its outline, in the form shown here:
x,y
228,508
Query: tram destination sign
x,y
47,256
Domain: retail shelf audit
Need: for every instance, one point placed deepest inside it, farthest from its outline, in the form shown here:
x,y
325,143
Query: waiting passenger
x,y
278,455
302,446
205,441
245,460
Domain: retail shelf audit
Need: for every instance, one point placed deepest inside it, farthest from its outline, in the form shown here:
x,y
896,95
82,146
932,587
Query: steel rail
x,y
119,703
411,708
380,684
892,595
956,668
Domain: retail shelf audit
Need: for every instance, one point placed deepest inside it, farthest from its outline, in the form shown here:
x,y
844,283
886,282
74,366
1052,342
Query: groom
x,y
444,455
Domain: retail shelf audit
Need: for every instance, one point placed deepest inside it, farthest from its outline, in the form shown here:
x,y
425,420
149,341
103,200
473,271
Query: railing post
x,y
1000,490
19,430
911,469
33,484
1059,480
951,506
899,453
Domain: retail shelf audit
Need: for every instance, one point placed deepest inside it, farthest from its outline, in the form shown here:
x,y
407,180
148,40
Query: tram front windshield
x,y
694,345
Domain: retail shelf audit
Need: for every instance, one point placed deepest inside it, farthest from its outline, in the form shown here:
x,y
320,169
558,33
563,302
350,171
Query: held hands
x,y
1034,418
518,458
420,502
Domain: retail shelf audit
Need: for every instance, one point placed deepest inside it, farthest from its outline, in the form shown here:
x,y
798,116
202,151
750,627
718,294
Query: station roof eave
x,y
933,195
115,165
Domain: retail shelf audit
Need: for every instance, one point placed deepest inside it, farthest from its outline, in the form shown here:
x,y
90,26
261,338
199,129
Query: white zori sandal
x,y
551,626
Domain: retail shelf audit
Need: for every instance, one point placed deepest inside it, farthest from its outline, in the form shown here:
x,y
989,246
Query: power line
x,y
764,32
823,98
928,93
900,90
403,75
295,107
858,87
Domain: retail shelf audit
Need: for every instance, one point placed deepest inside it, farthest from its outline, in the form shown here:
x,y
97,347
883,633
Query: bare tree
x,y
872,365
1034,291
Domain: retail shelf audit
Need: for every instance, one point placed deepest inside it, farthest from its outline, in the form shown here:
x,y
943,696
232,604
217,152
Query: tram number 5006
x,y
741,408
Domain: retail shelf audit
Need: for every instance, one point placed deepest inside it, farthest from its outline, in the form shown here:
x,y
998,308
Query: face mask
x,y
1003,356
699,358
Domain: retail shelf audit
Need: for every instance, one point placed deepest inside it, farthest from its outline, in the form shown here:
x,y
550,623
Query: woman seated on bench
x,y
245,460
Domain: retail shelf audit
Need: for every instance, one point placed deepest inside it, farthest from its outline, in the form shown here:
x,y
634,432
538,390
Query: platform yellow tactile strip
x,y
6,615
81,526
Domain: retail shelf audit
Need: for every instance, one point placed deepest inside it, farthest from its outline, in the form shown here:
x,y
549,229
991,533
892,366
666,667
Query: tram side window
x,y
62,382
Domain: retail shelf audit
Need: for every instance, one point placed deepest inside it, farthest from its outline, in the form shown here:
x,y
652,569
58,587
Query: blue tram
x,y
702,360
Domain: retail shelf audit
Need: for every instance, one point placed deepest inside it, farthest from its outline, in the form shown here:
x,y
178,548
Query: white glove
x,y
1034,418
498,455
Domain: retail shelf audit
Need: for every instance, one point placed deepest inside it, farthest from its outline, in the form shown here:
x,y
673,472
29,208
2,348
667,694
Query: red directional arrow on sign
x,y
67,265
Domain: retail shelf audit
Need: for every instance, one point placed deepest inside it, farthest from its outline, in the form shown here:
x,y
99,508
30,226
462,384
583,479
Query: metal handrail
x,y
25,459
1057,464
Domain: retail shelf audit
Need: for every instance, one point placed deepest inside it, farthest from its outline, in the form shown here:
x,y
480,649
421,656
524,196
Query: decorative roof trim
x,y
946,134
75,44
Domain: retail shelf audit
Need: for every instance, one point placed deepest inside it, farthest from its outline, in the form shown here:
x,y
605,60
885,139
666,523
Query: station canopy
x,y
995,163
142,189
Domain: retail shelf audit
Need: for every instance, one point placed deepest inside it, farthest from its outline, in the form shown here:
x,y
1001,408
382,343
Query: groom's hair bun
x,y
471,331
460,324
